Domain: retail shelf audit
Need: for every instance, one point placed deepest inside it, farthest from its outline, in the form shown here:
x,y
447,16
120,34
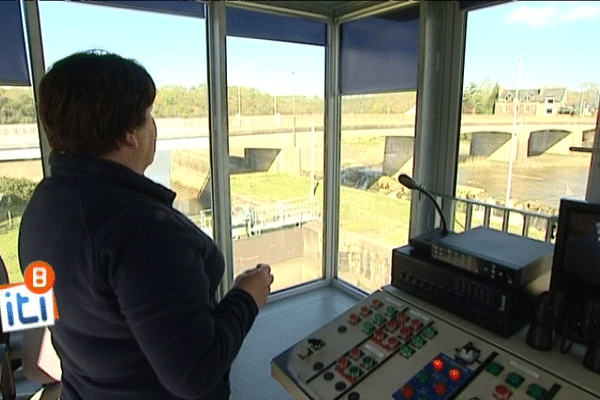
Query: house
x,y
544,101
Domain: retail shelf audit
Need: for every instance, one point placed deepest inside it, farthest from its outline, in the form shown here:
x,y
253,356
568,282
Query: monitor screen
x,y
576,262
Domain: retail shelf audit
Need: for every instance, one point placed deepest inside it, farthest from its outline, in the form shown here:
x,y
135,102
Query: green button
x,y
378,318
406,351
367,362
390,311
424,398
423,377
514,380
418,342
537,392
429,332
367,327
354,372
494,368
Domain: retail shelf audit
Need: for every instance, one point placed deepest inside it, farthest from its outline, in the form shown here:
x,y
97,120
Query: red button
x,y
376,303
392,326
353,319
402,318
454,374
404,332
438,364
355,353
379,335
440,388
415,324
408,391
502,393
342,362
393,342
364,311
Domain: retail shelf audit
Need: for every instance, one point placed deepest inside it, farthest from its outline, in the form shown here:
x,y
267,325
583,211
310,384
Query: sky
x,y
555,42
173,48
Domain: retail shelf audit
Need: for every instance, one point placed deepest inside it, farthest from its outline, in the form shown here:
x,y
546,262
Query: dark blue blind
x,y
13,57
380,54
255,25
180,7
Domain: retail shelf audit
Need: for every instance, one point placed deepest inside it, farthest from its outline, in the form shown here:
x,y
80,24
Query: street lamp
x,y
239,101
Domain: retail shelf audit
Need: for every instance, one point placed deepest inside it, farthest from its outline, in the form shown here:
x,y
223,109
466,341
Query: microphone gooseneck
x,y
408,182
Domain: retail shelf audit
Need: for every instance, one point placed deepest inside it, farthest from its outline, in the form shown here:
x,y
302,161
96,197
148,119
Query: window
x,y
543,169
20,168
276,103
180,108
376,146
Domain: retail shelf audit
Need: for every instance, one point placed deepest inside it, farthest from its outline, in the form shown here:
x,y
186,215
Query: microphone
x,y
408,182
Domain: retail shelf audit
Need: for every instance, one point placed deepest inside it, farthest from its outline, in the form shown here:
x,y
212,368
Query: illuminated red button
x,y
402,318
364,311
393,342
454,374
392,326
353,319
342,362
440,388
502,393
437,364
416,324
408,392
379,335
404,333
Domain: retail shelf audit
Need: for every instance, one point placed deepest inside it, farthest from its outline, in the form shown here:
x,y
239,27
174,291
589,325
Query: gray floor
x,y
278,326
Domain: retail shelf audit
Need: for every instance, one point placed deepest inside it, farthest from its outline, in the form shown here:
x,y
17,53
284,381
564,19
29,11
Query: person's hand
x,y
256,282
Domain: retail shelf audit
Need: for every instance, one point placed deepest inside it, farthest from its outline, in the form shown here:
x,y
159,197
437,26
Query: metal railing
x,y
469,214
249,220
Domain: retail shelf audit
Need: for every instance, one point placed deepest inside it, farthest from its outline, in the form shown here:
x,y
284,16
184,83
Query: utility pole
x,y
294,105
513,134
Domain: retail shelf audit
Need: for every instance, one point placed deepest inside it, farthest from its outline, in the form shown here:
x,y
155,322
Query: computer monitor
x,y
576,262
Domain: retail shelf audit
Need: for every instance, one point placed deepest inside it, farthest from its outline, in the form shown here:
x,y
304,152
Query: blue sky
x,y
556,41
173,48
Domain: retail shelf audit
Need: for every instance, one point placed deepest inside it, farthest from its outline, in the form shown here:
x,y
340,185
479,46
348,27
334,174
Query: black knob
x,y
541,331
591,359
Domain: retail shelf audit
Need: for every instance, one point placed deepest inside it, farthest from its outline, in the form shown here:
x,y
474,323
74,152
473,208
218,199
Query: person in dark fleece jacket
x,y
135,279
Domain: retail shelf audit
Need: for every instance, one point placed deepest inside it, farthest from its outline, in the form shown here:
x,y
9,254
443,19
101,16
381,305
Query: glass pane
x,y
20,169
180,108
276,157
528,81
377,145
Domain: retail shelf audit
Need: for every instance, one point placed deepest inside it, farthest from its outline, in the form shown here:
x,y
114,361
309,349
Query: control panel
x,y
388,348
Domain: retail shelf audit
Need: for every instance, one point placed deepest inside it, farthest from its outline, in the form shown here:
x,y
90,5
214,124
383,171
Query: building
x,y
538,102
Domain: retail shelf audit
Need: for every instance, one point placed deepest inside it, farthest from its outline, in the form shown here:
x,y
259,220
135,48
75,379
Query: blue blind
x,y
13,57
180,7
255,25
380,54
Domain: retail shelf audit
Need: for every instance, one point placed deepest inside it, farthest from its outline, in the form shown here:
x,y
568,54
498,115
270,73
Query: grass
x,y
373,214
9,236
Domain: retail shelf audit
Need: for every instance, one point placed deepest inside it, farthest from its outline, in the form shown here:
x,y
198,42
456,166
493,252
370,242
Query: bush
x,y
16,191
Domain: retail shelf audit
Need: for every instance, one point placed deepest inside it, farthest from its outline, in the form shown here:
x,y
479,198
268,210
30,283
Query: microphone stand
x,y
425,241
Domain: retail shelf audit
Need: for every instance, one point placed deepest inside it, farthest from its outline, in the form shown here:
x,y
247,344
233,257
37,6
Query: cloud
x,y
552,14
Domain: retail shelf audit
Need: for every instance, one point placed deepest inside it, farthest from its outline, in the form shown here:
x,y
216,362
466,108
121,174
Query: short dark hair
x,y
88,101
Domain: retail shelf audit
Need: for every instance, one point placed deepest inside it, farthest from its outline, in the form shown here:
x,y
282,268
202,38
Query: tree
x,y
481,96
